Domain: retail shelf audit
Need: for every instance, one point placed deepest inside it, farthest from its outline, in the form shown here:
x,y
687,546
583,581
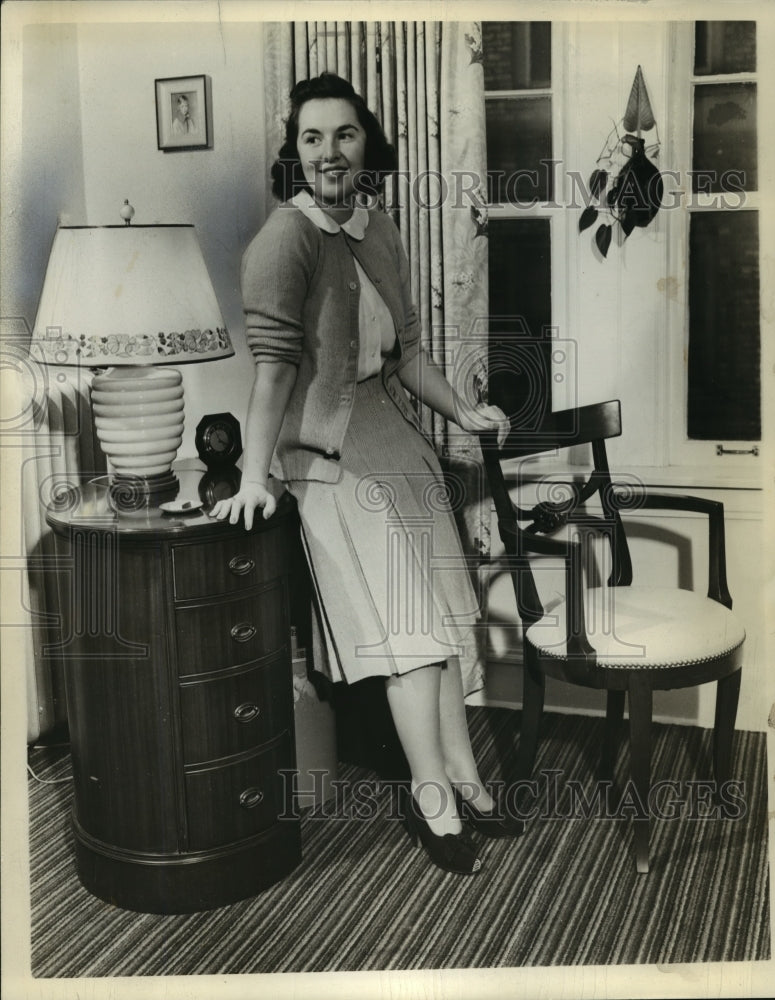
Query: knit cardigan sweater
x,y
301,293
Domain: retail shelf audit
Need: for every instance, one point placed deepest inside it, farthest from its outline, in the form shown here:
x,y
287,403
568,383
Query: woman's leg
x,y
414,700
459,763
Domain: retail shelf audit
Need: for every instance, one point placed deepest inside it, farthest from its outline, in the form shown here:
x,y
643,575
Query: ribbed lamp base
x,y
138,414
137,492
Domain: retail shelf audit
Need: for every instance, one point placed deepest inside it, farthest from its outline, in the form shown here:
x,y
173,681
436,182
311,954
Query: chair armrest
x,y
525,541
714,509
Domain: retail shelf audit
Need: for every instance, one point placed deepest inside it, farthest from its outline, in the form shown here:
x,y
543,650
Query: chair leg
x,y
727,694
614,713
640,704
533,685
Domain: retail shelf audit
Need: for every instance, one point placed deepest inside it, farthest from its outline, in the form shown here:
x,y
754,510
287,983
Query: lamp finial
x,y
127,212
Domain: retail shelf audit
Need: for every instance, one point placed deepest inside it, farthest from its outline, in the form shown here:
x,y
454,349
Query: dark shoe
x,y
497,823
450,852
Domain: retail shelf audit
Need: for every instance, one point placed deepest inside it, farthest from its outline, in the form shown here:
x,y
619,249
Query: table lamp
x,y
133,300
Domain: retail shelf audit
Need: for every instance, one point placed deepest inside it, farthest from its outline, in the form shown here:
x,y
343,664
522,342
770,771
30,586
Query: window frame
x,y
744,467
563,385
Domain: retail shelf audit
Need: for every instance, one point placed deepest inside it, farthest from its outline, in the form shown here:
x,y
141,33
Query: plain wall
x,y
44,157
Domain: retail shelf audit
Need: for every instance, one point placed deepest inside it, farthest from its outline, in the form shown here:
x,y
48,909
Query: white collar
x,y
355,226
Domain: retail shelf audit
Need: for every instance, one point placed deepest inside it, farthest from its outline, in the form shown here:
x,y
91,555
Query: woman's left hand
x,y
484,417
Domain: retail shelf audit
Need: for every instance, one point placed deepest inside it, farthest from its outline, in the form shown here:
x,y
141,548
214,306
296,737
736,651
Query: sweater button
x,y
329,451
353,343
353,285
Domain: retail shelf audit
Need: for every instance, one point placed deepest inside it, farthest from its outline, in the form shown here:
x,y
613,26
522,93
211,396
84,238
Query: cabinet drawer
x,y
227,633
209,569
232,714
238,800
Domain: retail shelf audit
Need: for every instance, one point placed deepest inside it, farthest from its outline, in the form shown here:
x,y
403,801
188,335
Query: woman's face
x,y
331,147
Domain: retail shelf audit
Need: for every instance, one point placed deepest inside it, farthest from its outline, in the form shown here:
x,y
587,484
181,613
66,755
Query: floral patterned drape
x,y
424,81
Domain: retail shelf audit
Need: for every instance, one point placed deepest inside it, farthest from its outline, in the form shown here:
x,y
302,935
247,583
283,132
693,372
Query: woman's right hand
x,y
249,498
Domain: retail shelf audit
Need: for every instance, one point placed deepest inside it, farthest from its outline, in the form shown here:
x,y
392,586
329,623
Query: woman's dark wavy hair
x,y
380,157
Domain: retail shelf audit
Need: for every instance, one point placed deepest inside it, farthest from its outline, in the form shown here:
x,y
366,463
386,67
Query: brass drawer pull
x,y
243,632
242,565
250,798
246,712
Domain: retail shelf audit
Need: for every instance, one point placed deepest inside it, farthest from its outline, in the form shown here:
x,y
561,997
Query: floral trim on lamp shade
x,y
57,348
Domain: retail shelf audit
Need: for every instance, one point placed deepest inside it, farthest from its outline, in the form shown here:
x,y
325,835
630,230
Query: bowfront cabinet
x,y
176,636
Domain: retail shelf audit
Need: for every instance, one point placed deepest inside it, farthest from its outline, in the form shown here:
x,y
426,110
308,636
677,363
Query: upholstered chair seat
x,y
644,628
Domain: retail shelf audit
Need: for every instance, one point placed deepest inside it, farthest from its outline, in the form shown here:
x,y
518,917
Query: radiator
x,y
58,450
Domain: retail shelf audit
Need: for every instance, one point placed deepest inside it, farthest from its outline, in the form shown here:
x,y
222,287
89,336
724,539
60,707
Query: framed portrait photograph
x,y
183,113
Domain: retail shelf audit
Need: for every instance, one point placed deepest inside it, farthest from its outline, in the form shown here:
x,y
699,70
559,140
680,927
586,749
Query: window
x,y
721,392
520,299
517,81
723,371
518,70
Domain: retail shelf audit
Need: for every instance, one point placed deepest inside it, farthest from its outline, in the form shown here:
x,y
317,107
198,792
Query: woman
x,y
332,328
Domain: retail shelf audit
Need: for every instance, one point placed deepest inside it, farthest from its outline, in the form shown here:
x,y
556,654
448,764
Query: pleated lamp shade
x,y
132,299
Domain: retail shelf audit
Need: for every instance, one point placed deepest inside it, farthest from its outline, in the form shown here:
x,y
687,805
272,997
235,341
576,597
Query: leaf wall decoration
x,y
639,117
597,182
626,186
603,238
588,216
627,223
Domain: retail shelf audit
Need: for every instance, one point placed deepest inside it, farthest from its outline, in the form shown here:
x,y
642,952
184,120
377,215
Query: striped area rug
x,y
566,893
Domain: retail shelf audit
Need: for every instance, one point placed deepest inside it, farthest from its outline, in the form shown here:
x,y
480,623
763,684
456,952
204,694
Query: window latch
x,y
721,450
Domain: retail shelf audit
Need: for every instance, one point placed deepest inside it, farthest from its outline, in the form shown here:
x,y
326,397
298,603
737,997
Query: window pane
x,y
519,149
724,135
724,47
520,311
517,54
724,326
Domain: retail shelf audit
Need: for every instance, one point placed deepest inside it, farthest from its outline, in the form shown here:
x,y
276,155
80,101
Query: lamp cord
x,y
48,781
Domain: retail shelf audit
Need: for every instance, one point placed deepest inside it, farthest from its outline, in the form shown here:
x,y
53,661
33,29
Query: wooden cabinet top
x,y
89,506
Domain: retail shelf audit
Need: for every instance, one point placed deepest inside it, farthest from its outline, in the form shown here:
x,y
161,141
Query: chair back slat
x,y
564,429
592,424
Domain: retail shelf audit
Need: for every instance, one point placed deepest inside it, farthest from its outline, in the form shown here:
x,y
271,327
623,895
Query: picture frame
x,y
183,113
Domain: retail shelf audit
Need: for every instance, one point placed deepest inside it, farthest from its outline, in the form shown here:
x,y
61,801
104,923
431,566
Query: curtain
x,y
424,81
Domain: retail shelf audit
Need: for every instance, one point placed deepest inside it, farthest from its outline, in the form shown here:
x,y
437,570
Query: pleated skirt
x,y
392,591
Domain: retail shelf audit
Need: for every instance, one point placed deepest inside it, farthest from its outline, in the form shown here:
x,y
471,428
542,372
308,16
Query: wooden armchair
x,y
624,638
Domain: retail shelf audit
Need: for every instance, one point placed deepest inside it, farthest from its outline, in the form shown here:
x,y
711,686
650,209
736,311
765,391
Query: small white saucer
x,y
181,506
